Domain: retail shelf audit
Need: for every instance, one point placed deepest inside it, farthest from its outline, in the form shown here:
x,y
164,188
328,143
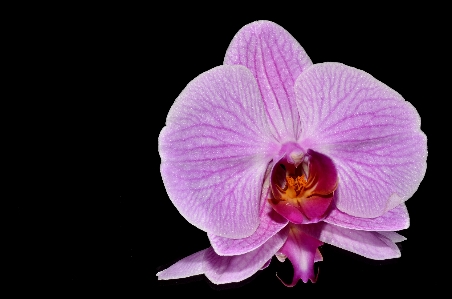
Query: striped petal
x,y
369,131
393,220
215,150
372,245
276,59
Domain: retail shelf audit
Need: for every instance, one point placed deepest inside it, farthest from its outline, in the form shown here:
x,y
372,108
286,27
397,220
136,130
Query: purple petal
x,y
186,267
393,236
372,135
302,251
395,219
271,223
276,59
372,245
267,263
226,269
215,149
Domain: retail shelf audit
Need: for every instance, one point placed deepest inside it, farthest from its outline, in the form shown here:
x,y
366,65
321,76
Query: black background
x,y
122,227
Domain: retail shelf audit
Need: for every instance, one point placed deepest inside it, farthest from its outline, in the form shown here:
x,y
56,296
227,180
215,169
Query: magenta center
x,y
303,185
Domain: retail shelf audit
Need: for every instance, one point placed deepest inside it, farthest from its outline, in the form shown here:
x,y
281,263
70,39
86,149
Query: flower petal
x,y
302,251
395,219
215,149
393,236
186,267
226,269
267,263
372,135
372,245
276,59
270,224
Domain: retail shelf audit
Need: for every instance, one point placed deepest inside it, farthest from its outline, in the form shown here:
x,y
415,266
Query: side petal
x,y
270,224
302,251
372,245
369,131
395,219
276,59
215,149
226,269
189,266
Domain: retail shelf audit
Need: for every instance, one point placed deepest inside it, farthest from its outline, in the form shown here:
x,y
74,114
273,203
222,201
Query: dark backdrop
x,y
123,228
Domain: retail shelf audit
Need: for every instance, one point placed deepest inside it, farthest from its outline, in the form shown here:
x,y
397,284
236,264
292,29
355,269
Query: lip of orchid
x,y
302,250
303,188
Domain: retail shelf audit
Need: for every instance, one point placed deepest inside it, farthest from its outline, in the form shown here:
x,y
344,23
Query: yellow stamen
x,y
293,187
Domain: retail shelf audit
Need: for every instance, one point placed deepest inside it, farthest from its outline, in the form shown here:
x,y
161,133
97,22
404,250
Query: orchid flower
x,y
273,155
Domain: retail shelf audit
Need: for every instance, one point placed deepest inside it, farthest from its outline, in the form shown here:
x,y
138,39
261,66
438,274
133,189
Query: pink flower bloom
x,y
272,155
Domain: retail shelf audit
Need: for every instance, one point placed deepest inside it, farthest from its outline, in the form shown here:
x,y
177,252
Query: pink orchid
x,y
273,155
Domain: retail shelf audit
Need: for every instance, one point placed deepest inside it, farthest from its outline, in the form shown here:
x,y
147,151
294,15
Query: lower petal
x,y
373,245
393,236
266,264
393,220
226,269
186,267
302,251
270,224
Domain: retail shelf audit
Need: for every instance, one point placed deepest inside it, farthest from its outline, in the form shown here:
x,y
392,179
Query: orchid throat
x,y
303,186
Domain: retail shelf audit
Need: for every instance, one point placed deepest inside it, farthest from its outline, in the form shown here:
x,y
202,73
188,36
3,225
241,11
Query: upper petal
x,y
372,245
395,219
215,149
276,59
369,131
